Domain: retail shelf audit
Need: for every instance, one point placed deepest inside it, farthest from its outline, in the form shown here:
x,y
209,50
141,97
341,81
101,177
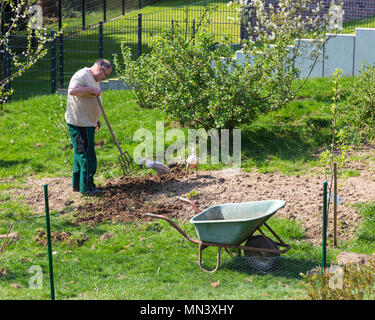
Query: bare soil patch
x,y
129,198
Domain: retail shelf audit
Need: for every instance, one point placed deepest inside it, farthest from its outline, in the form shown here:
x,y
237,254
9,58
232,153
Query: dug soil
x,y
129,198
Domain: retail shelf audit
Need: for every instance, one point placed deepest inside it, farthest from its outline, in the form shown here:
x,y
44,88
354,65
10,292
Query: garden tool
x,y
124,157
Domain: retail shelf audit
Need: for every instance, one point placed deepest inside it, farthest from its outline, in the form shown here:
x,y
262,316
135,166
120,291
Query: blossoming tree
x,y
275,31
22,17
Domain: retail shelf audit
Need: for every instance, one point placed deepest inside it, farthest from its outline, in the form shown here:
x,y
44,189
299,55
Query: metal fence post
x,y
324,228
123,7
33,39
139,34
49,243
60,14
7,71
104,10
193,31
242,32
53,62
83,14
1,74
61,60
101,40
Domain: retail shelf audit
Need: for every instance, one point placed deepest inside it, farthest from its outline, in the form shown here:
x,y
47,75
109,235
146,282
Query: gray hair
x,y
104,63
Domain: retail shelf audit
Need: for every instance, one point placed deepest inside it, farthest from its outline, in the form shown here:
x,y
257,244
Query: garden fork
x,y
124,157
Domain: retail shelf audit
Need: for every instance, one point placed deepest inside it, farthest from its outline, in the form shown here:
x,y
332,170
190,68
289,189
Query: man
x,y
82,116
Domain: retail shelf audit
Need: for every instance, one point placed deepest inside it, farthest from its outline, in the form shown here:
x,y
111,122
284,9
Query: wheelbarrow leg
x,y
201,248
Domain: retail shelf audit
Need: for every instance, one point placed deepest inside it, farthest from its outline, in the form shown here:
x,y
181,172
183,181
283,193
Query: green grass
x,y
135,263
284,140
363,242
152,260
28,142
350,26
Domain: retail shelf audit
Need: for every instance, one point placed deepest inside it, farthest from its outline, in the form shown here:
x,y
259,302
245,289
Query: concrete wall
x,y
345,52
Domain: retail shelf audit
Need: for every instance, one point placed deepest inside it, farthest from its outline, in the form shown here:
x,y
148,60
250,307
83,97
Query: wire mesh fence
x,y
78,47
295,263
287,265
67,14
88,33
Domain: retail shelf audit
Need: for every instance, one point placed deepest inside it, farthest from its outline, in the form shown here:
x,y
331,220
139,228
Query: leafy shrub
x,y
359,110
354,282
198,83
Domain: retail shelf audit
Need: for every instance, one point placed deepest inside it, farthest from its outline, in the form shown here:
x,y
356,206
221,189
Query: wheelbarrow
x,y
232,226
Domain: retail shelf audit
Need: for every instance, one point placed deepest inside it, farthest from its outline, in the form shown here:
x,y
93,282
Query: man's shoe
x,y
75,189
95,192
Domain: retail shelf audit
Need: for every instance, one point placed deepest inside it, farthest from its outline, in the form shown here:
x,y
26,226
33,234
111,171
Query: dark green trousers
x,y
84,158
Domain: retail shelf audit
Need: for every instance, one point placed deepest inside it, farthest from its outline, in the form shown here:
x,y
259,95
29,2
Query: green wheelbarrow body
x,y
228,225
233,223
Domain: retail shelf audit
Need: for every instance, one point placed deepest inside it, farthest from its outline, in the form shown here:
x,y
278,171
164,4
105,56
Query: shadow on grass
x,y
262,143
12,163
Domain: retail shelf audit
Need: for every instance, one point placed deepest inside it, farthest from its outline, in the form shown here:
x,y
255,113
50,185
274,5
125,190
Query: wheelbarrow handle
x,y
191,202
202,245
158,216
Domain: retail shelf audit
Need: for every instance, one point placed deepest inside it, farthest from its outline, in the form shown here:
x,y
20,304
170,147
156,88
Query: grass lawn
x,y
151,260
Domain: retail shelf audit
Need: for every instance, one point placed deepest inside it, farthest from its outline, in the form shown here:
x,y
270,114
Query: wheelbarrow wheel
x,y
261,260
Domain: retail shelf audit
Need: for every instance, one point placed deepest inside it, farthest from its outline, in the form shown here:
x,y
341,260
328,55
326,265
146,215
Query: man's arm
x,y
82,91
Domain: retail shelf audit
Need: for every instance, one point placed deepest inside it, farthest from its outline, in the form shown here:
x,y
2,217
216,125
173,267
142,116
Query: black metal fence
x,y
63,14
79,47
76,47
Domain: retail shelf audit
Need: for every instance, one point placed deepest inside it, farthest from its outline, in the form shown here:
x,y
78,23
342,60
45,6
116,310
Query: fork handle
x,y
108,124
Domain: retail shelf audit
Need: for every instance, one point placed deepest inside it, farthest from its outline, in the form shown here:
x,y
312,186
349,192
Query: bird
x,y
159,167
192,162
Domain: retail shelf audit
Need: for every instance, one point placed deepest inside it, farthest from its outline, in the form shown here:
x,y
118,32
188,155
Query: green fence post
x,y
52,286
139,34
324,232
60,14
83,8
53,62
104,10
101,40
61,60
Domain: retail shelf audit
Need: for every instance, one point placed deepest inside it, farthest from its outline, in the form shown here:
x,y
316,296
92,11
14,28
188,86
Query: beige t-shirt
x,y
82,111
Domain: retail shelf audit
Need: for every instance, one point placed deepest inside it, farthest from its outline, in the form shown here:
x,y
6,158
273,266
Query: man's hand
x,y
98,125
96,92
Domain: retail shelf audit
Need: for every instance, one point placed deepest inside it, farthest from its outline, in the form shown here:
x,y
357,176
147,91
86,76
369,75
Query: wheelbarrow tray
x,y
233,223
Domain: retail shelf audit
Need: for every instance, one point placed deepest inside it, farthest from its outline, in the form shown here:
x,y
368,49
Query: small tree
x,y
197,83
22,17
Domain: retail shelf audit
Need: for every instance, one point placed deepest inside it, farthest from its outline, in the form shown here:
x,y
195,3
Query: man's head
x,y
101,69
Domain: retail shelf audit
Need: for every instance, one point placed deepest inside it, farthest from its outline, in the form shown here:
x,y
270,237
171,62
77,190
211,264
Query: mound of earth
x,y
129,198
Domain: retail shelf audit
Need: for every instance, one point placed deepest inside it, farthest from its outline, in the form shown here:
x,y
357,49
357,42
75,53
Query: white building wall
x,y
345,52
